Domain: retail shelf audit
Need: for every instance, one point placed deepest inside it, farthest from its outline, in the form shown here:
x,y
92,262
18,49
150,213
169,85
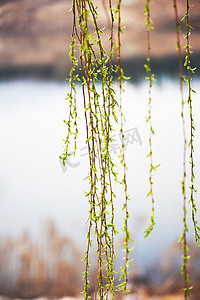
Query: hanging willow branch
x,y
101,112
183,237
150,78
192,127
124,274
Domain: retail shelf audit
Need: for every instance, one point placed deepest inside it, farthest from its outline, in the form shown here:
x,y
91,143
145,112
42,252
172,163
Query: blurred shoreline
x,y
167,66
35,36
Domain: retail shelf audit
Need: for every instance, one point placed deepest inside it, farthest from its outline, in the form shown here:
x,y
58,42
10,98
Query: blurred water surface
x,y
34,187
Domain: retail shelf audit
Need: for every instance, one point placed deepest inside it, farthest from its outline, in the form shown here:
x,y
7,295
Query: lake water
x,y
34,187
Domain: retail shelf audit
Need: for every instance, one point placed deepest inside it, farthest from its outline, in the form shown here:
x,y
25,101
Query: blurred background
x,y
35,36
43,210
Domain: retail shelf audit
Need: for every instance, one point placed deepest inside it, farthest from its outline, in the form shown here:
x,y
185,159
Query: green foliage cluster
x,y
102,110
